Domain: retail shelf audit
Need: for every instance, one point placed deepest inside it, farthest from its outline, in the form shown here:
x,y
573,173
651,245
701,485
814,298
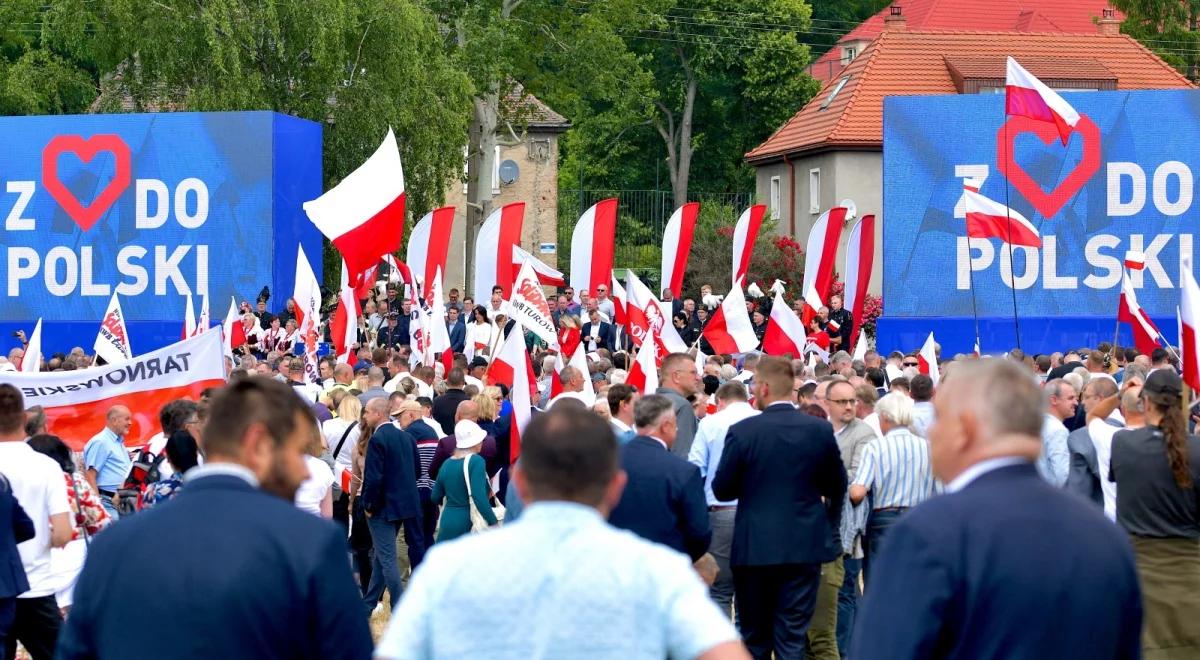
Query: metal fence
x,y
641,217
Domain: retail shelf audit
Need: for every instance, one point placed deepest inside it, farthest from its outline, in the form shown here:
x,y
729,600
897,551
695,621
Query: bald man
x,y
963,577
106,460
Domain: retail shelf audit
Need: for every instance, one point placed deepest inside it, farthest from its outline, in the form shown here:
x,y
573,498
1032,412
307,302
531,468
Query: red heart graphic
x,y
1048,203
86,150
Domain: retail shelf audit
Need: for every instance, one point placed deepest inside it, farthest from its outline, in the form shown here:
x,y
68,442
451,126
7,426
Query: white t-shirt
x,y
333,430
1102,434
37,483
313,489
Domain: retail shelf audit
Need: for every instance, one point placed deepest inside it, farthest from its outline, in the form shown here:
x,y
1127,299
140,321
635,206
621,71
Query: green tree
x,y
39,70
832,19
1167,27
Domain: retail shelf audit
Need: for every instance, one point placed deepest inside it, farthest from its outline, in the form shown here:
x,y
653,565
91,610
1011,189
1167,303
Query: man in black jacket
x,y
784,469
446,405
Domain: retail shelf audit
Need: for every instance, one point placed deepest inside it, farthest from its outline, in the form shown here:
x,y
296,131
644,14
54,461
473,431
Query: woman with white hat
x,y
452,485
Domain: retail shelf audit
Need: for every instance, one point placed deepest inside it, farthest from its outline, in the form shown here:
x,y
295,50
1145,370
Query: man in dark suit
x,y
15,527
456,330
664,498
390,498
1083,475
597,334
237,570
974,573
786,472
445,406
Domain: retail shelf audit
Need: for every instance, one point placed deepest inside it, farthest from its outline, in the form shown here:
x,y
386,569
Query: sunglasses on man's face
x,y
911,364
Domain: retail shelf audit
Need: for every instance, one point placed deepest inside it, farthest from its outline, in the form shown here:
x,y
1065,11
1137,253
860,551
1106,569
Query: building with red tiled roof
x,y
832,149
1056,16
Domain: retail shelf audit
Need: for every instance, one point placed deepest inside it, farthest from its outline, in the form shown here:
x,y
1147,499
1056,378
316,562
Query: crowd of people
x,y
1025,507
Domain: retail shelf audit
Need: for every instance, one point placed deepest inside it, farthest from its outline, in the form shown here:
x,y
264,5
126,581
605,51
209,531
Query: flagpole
x,y
971,284
1012,266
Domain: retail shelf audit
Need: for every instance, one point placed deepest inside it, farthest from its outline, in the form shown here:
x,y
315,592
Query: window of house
x,y
834,92
814,191
848,54
774,198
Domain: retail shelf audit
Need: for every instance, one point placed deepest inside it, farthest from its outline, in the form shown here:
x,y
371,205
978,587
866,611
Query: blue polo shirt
x,y
106,454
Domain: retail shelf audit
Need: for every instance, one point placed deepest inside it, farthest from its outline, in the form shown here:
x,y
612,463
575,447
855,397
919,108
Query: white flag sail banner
x,y
112,342
529,307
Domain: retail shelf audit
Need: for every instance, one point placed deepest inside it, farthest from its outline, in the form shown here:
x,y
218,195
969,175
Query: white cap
x,y
467,434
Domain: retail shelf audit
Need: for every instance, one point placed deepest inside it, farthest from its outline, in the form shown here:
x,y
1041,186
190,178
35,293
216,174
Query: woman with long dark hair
x,y
1157,471
481,332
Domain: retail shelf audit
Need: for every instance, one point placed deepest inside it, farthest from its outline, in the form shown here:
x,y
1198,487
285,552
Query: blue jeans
x,y
385,569
107,504
847,603
877,525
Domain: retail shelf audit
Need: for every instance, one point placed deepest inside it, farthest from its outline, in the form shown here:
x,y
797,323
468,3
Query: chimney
x,y
895,19
1108,24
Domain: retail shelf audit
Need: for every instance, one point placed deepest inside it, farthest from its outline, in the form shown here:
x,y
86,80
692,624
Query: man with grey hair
x,y
1083,473
896,472
972,573
573,387
1054,462
664,497
679,382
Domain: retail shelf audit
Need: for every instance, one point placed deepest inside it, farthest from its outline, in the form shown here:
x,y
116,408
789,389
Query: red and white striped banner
x,y
592,246
677,245
76,402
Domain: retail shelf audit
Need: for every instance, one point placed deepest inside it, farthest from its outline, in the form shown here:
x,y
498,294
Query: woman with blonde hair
x,y
315,494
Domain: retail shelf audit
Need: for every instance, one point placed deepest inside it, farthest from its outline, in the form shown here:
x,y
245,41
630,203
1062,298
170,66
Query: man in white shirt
x,y
604,303
559,560
732,407
37,484
574,387
1102,431
1055,461
620,399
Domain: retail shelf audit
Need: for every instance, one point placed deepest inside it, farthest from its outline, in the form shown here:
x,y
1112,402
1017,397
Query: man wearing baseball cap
x,y
409,416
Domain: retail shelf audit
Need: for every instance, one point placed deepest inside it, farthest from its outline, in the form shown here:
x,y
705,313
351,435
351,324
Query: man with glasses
x,y
679,382
604,303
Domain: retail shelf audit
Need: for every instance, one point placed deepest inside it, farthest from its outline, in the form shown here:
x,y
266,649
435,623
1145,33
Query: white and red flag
x,y
640,309
927,360
729,330
428,245
306,299
234,332
1145,333
820,255
31,362
493,251
189,319
745,232
343,328
785,333
439,336
592,245
619,303
1189,325
860,262
1026,96
546,274
512,367
112,342
1135,260
987,218
677,245
528,305
578,359
812,305
363,216
203,321
860,346
643,375
76,402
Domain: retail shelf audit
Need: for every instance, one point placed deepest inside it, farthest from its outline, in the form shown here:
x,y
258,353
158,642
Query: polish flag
x,y
860,262
235,333
860,346
745,232
785,333
203,321
307,299
579,361
927,360
400,272
989,219
619,302
1135,260
729,330
428,245
977,351
546,274
31,362
189,320
1145,333
363,216
832,326
821,254
112,341
677,245
343,328
592,245
363,290
640,311
512,367
812,305
643,376
1026,96
1189,324
493,251
439,336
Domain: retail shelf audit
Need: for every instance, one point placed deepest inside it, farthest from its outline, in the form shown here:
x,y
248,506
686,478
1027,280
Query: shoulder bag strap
x,y
87,538
343,440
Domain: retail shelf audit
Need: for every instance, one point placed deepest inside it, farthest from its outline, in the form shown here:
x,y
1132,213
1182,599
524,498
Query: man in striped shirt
x,y
894,470
409,416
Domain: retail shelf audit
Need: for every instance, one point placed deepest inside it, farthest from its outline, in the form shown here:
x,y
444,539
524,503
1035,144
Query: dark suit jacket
x,y
664,499
223,570
390,473
445,407
605,339
1008,567
15,527
458,336
779,465
1083,477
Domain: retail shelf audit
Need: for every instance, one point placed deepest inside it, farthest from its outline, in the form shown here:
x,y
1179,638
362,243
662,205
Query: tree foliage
x,y
42,71
1167,27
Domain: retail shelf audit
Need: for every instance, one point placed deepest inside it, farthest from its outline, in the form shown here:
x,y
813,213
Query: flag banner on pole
x,y
76,402
821,252
232,329
860,263
203,321
189,320
112,342
927,360
745,232
677,245
429,244
493,250
729,330
31,362
1026,96
307,302
987,218
1188,314
643,376
785,333
592,247
546,274
528,305
1135,260
1145,333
